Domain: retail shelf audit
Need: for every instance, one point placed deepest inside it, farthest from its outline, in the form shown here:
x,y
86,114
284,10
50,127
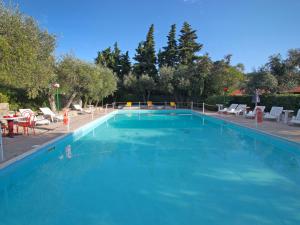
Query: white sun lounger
x,y
238,110
39,120
53,117
77,107
296,119
251,114
274,114
229,109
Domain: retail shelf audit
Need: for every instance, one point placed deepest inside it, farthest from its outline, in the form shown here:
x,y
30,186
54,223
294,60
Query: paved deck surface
x,y
280,129
20,144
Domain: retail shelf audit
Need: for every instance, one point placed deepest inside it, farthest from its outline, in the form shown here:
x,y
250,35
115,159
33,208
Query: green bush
x,y
291,101
4,98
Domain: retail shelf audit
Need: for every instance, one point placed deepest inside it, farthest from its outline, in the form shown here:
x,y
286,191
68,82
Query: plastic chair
x,y
28,123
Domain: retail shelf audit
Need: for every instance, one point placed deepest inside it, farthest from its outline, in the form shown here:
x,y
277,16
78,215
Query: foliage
x,y
281,74
223,75
169,55
262,80
142,86
118,62
26,52
81,79
4,98
188,47
145,56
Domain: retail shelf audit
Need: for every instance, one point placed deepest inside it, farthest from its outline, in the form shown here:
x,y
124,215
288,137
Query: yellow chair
x,y
149,104
128,104
173,104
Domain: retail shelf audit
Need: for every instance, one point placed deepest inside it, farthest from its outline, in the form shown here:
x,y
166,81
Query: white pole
x,y
1,146
192,105
203,111
105,108
68,127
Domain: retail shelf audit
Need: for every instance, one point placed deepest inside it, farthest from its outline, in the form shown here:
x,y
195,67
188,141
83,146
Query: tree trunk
x,y
70,101
51,99
96,103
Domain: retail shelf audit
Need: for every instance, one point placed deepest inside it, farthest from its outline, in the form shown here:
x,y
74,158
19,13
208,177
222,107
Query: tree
x,y
169,55
105,58
145,56
125,65
142,86
188,47
262,80
74,77
80,79
146,86
166,80
27,53
223,75
116,61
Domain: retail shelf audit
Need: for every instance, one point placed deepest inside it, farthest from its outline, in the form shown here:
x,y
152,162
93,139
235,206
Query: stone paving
x,y
280,129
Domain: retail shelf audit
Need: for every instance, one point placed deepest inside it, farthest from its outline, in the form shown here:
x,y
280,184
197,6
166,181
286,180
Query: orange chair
x,y
149,104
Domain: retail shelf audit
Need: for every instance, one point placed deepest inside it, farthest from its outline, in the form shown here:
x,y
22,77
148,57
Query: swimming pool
x,y
155,167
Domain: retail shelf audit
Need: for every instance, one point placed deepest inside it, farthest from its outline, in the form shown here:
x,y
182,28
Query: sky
x,y
250,30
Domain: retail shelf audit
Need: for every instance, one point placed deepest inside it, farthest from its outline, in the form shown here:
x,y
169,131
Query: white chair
x,y
296,119
48,113
229,109
39,120
77,107
251,114
238,110
274,114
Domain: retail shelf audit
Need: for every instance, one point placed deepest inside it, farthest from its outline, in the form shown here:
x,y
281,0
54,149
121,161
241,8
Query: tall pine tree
x,y
145,56
169,55
188,46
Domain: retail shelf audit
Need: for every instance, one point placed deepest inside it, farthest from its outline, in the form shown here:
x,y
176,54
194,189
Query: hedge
x,y
291,101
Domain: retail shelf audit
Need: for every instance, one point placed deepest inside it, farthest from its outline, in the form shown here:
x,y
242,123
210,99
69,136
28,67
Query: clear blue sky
x,y
251,30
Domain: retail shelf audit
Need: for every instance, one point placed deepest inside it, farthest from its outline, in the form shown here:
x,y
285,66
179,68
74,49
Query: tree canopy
x,y
145,56
26,52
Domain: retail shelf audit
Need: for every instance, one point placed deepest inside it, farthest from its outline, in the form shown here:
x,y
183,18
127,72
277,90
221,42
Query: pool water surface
x,y
162,168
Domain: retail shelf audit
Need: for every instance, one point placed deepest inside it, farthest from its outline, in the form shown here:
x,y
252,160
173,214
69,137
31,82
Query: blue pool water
x,y
157,168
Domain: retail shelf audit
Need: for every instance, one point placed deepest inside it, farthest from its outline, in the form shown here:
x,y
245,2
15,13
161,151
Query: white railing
x,y
179,105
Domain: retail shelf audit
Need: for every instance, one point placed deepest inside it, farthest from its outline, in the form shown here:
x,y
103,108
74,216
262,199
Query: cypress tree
x,y
169,55
125,65
188,46
145,56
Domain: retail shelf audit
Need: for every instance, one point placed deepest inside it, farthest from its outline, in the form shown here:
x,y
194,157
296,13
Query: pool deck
x,y
17,147
280,129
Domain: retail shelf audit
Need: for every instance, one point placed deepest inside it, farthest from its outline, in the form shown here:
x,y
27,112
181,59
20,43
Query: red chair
x,y
28,123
